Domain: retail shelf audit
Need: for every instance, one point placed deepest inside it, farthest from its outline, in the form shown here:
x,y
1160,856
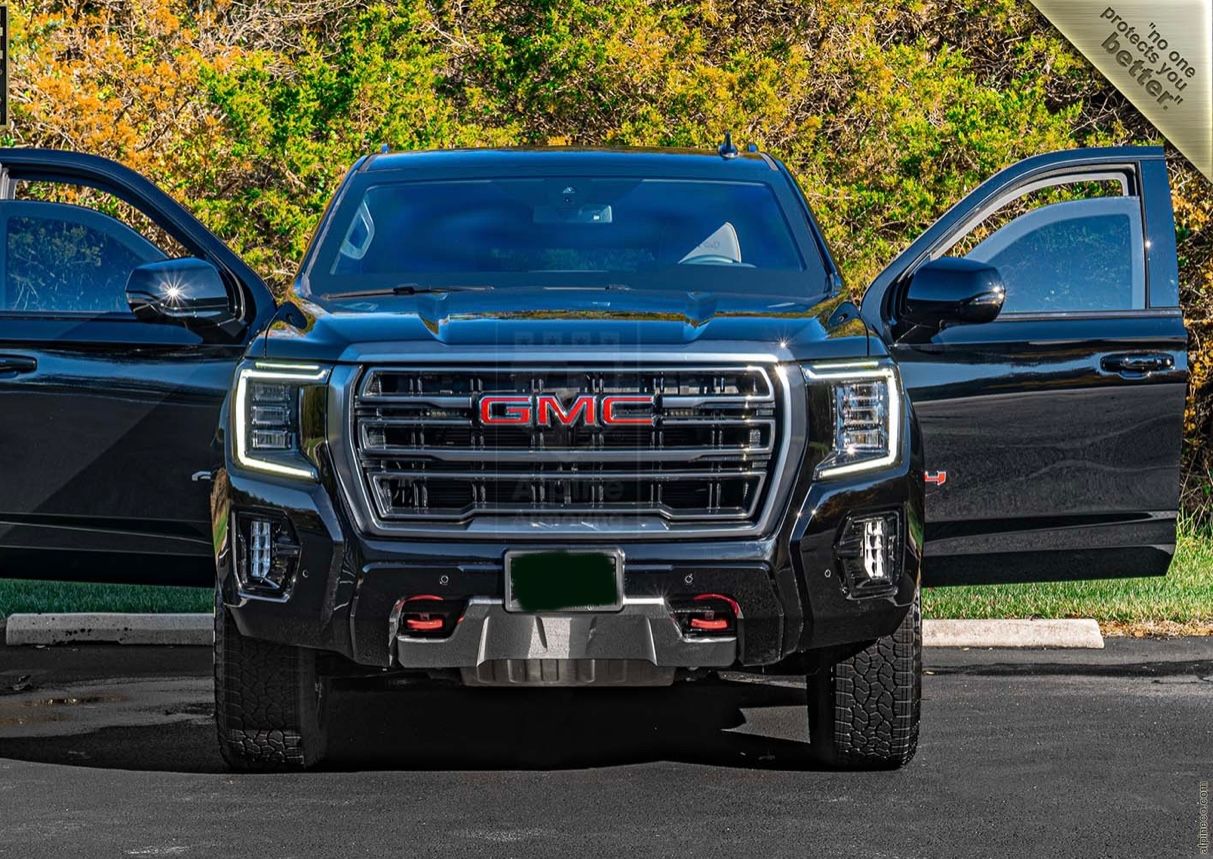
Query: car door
x,y
1051,435
107,422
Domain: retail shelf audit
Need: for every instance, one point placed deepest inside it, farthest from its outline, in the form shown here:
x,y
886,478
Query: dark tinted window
x,y
504,231
1083,255
65,259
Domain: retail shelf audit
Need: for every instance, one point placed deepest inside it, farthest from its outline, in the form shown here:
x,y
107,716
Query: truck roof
x,y
562,160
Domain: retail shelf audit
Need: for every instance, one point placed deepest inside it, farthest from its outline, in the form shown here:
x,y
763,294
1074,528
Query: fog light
x,y
872,554
869,551
266,554
259,549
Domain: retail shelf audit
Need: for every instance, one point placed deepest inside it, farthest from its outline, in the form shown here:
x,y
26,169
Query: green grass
x,y
17,596
1181,601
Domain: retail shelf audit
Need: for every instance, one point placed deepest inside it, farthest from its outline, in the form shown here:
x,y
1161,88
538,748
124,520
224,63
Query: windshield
x,y
693,235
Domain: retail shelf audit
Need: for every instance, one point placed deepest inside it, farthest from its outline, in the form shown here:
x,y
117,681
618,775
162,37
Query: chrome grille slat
x,y
420,399
440,455
424,456
564,475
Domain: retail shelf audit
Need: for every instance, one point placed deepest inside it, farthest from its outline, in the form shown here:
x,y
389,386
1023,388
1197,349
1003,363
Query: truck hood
x,y
564,321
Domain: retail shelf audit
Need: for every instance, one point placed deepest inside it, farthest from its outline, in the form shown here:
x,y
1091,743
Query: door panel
x,y
1058,429
100,447
1056,468
107,423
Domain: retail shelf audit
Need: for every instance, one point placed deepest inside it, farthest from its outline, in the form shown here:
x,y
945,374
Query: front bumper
x,y
638,645
788,585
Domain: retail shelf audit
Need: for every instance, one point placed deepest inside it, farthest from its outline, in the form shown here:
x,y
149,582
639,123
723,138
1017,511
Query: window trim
x,y
1046,315
1018,192
252,302
1127,173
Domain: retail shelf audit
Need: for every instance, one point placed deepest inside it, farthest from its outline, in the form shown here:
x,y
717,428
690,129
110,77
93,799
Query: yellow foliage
x,y
250,112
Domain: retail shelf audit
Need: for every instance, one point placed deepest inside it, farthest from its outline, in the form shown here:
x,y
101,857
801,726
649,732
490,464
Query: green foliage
x,y
888,112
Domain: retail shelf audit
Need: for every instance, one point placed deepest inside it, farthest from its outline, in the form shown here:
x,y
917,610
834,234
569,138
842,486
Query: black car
x,y
587,418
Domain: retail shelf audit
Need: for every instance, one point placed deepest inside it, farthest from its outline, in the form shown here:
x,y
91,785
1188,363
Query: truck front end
x,y
564,419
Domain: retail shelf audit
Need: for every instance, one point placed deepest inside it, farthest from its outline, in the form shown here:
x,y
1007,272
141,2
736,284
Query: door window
x,y
1072,247
1083,255
69,249
66,259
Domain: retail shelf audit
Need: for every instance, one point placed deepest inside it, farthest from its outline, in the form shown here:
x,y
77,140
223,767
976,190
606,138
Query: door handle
x,y
1137,365
11,365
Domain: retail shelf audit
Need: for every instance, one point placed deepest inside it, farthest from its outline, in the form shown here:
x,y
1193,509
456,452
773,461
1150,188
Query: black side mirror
x,y
185,291
951,290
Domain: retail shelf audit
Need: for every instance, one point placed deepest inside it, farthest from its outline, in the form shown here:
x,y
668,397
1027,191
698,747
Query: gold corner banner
x,y
1158,53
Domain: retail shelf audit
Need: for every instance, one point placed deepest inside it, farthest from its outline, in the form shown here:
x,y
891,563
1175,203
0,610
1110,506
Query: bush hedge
x,y
888,112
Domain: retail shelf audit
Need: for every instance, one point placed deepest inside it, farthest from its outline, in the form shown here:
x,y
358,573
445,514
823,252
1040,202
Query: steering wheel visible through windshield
x,y
694,235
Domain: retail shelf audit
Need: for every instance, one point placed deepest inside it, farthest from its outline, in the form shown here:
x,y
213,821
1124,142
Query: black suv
x,y
587,418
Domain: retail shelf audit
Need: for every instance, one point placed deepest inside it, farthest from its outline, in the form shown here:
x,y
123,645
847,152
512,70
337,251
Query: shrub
x,y
251,112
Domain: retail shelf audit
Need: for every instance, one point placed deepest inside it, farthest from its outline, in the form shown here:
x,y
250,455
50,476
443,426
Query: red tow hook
x,y
706,614
429,616
424,624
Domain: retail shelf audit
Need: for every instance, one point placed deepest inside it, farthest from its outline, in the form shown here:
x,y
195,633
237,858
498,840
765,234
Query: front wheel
x,y
864,709
269,701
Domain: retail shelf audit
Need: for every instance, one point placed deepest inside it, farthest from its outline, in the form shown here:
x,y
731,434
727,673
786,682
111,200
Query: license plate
x,y
563,580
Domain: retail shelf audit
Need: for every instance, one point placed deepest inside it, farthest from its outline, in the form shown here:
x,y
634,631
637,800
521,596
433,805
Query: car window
x,y
1080,255
564,224
698,235
1063,245
63,258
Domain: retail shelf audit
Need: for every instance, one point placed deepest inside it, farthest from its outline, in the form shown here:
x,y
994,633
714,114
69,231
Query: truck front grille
x,y
425,453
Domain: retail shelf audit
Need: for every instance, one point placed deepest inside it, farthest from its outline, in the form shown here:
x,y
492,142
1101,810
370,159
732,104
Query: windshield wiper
x,y
409,289
594,288
421,289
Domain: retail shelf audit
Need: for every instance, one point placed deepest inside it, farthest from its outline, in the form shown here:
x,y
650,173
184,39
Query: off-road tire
x,y
269,701
864,709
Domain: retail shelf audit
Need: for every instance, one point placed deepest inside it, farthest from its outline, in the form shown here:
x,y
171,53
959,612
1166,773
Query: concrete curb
x,y
109,628
1012,633
196,629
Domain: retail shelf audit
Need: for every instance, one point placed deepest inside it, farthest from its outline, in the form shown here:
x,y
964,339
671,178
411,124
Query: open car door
x,y
108,406
1051,434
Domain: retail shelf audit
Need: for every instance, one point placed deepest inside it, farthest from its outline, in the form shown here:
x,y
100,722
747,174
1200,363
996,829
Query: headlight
x,y
269,411
866,402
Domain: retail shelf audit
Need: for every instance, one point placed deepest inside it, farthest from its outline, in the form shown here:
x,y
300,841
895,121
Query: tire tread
x,y
261,701
868,705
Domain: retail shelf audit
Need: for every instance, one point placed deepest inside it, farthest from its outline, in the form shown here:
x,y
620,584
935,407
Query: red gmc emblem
x,y
546,409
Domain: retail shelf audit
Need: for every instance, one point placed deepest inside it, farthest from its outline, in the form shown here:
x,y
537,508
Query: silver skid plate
x,y
492,645
567,672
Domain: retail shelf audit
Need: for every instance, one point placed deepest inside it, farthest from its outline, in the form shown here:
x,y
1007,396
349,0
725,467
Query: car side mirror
x,y
186,291
953,290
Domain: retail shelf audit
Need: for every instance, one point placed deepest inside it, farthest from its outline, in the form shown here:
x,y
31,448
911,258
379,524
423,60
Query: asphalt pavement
x,y
109,751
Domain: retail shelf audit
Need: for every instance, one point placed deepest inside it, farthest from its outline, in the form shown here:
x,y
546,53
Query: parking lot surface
x,y
110,751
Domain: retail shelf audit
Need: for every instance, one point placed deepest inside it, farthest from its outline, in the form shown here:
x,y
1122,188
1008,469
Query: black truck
x,y
563,417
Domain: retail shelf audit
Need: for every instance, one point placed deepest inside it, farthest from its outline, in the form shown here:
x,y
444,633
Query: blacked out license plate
x,y
563,580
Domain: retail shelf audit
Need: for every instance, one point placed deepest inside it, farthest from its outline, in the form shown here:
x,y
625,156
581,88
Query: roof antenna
x,y
727,149
384,149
